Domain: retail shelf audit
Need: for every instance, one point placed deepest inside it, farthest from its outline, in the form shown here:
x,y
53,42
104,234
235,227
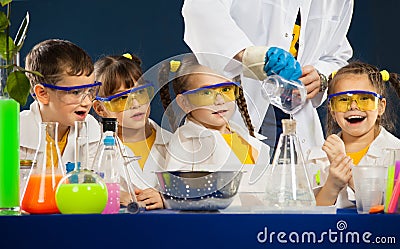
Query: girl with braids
x,y
208,140
357,107
124,96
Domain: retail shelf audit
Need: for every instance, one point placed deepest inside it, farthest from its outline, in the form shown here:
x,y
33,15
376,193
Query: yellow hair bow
x,y
174,65
385,75
333,74
127,55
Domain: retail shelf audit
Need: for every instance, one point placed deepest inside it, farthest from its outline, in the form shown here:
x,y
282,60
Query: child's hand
x,y
339,176
333,147
150,197
125,198
339,173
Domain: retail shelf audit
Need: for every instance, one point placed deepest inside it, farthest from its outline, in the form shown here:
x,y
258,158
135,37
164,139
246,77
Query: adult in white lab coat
x,y
228,27
318,160
30,121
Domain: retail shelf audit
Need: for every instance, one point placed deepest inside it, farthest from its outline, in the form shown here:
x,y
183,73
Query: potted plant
x,y
14,90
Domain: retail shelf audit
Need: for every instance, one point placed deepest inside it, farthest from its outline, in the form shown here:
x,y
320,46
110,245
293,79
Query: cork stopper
x,y
289,126
25,163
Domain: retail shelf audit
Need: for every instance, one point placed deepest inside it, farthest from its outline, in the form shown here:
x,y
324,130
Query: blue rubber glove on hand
x,y
282,63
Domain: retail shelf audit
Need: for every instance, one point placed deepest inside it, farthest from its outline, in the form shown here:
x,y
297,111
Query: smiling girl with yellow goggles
x,y
365,100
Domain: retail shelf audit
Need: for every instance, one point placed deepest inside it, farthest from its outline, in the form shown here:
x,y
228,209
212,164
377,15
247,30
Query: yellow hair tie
x,y
333,74
385,75
127,55
174,65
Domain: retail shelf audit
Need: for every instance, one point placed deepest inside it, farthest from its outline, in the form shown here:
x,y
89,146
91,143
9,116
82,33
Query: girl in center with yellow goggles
x,y
358,131
208,140
122,96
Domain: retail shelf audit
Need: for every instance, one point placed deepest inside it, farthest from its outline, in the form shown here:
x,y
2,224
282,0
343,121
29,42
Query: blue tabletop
x,y
174,229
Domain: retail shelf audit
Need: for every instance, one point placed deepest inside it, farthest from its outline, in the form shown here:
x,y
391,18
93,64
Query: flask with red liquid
x,y
46,172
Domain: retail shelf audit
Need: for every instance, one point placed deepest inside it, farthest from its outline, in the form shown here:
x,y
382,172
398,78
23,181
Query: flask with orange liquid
x,y
46,172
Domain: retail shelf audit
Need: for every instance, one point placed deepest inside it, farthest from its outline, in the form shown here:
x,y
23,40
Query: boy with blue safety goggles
x,y
63,93
75,94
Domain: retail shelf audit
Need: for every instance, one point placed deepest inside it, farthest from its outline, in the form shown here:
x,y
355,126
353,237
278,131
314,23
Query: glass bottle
x,y
108,127
289,96
9,148
81,191
46,172
107,168
288,184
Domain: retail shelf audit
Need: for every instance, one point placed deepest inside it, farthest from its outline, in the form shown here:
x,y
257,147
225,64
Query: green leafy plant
x,y
17,85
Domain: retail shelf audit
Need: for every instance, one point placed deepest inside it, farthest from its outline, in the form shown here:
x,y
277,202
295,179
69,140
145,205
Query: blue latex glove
x,y
282,63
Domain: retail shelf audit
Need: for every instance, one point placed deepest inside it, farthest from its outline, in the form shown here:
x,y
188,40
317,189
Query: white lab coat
x,y
210,152
226,27
318,160
30,121
155,162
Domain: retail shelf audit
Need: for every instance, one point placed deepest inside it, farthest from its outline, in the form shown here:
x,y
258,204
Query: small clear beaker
x,y
24,169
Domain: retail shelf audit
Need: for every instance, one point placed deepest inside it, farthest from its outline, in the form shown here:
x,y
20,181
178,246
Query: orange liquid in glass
x,y
39,197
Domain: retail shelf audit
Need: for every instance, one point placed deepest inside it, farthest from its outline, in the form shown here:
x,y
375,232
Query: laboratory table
x,y
177,229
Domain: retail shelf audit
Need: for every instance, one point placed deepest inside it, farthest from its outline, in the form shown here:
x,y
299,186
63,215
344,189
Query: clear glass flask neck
x,y
288,183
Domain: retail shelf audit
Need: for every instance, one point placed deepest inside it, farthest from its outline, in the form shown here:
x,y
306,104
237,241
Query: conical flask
x,y
81,191
288,185
46,172
108,163
289,96
109,128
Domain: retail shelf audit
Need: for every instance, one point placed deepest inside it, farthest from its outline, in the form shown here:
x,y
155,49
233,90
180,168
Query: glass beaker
x,y
24,169
289,96
288,184
81,191
46,172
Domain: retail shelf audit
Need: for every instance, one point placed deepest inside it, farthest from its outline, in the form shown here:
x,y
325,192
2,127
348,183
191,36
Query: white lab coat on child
x,y
146,178
210,152
30,121
318,160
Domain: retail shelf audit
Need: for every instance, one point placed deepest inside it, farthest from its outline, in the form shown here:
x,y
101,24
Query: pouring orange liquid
x,y
39,197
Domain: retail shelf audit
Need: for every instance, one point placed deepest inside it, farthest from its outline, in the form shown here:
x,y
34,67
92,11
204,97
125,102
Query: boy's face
x,y
67,107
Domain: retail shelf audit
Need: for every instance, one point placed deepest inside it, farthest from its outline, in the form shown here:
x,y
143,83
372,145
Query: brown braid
x,y
163,80
395,83
241,103
375,78
164,93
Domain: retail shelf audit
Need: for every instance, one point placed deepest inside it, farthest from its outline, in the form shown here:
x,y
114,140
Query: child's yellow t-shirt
x,y
242,149
142,148
356,156
61,145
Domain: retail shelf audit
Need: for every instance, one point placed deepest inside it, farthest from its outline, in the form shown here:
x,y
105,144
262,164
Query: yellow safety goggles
x,y
205,96
123,101
365,100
